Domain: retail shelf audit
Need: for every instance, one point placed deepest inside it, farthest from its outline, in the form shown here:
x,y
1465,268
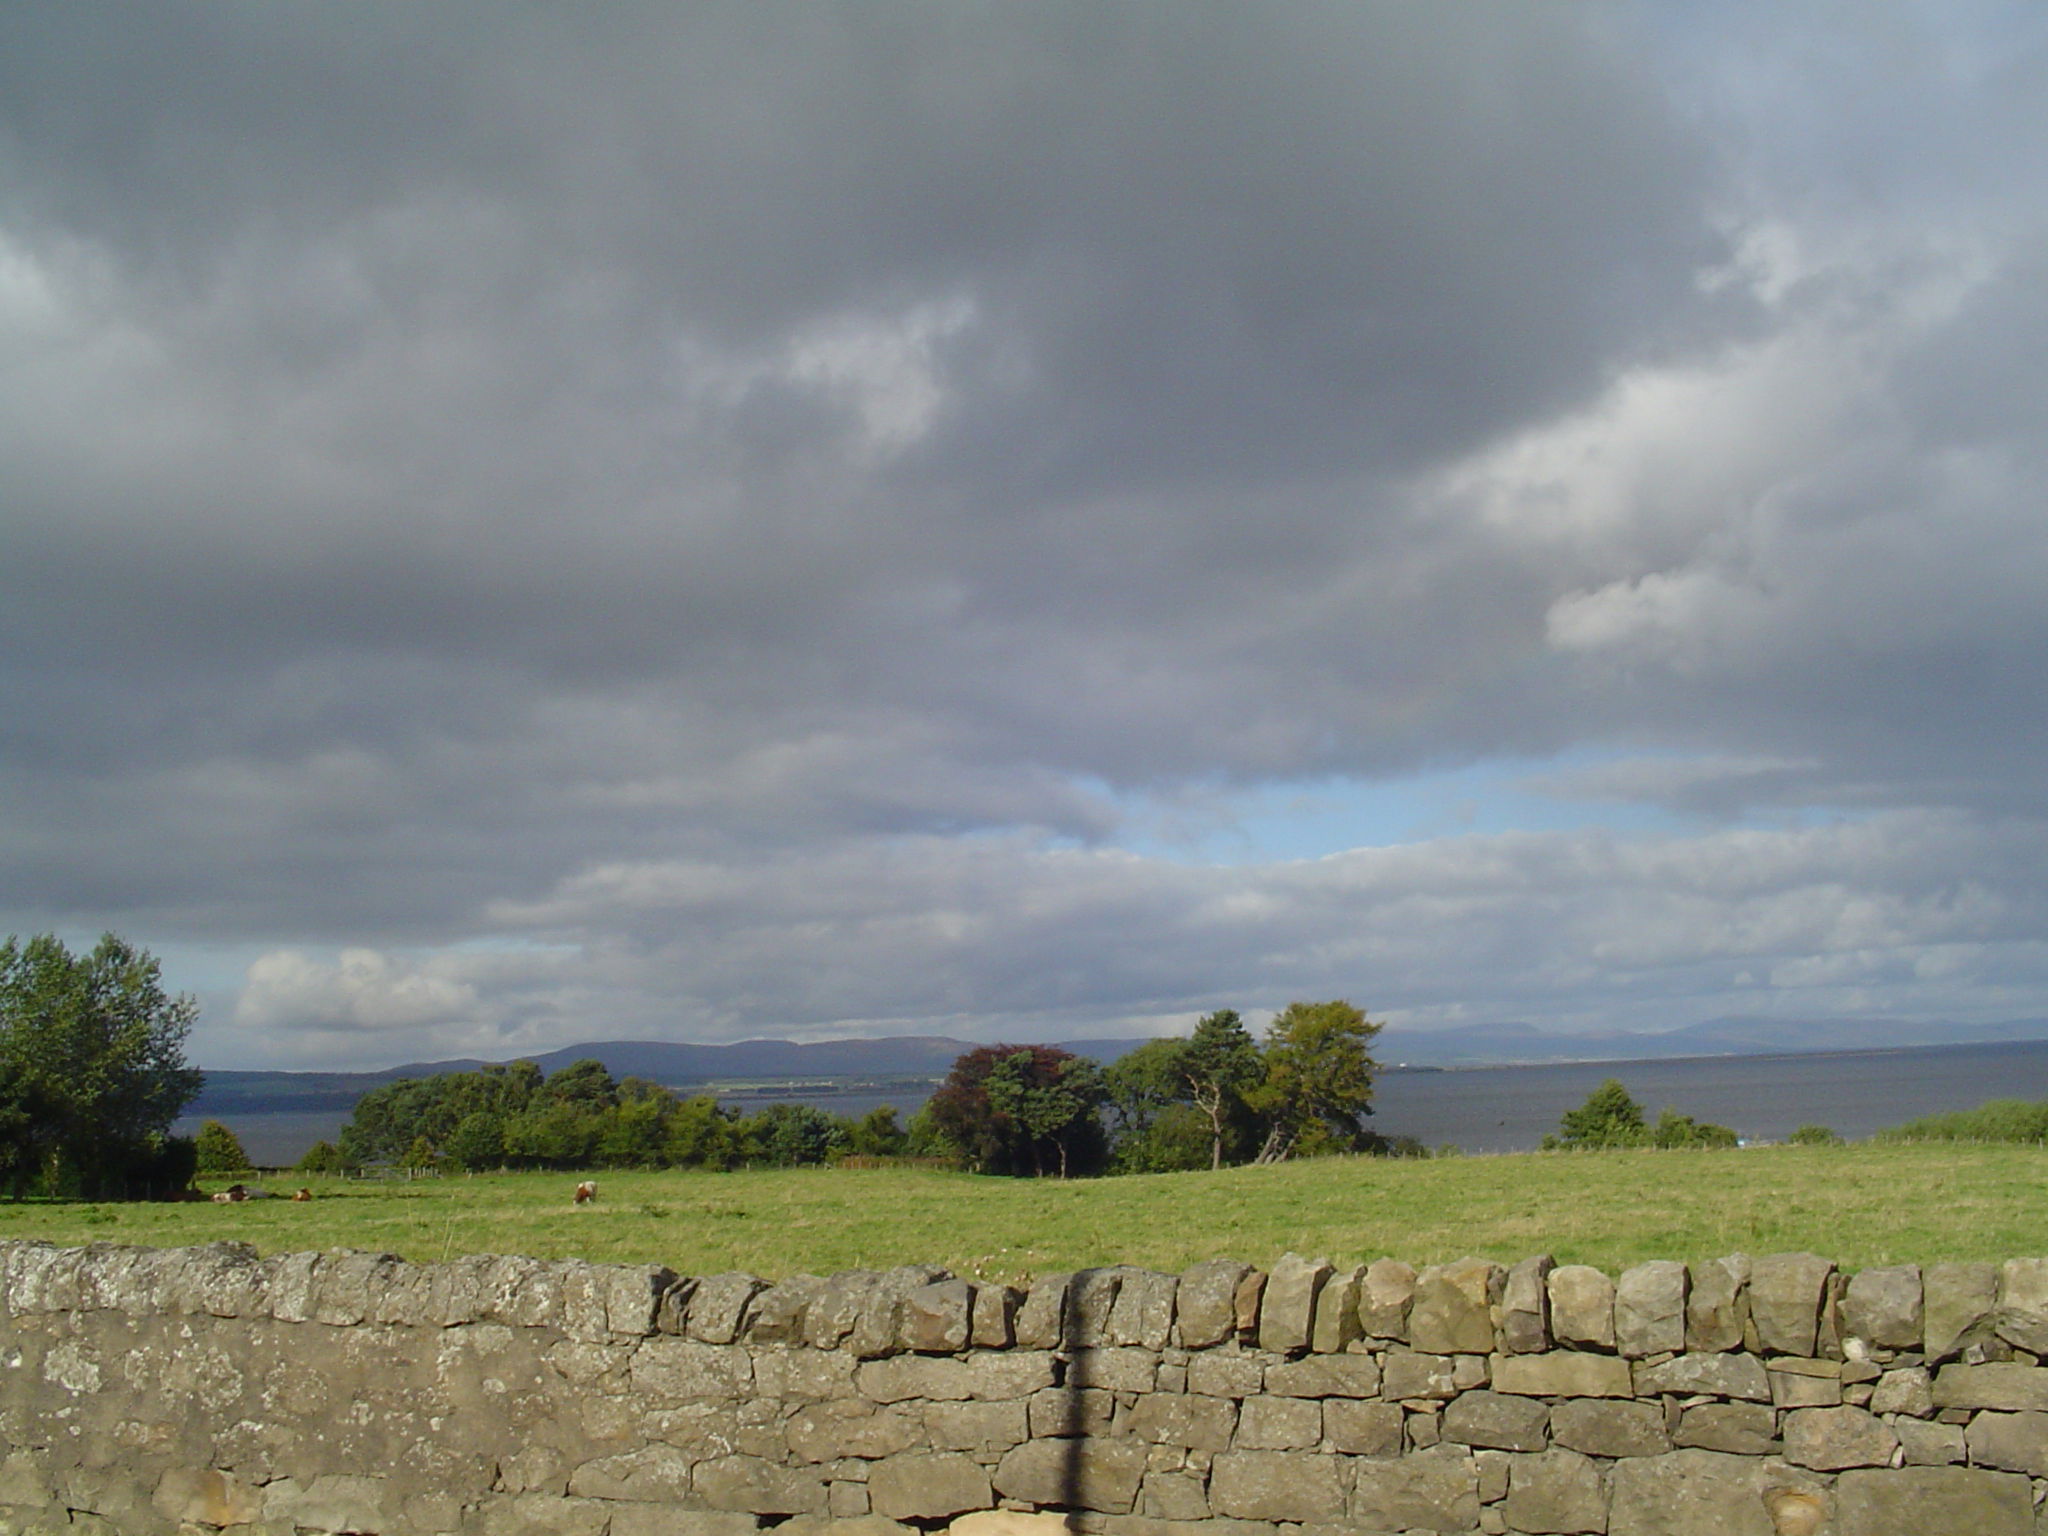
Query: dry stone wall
x,y
173,1392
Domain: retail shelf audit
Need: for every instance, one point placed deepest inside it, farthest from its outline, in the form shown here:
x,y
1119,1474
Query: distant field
x,y
1860,1205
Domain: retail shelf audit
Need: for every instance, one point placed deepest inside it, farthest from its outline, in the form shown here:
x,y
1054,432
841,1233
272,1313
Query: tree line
x,y
1215,1098
514,1116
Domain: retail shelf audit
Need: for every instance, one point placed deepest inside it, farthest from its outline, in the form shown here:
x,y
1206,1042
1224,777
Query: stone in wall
x,y
1143,1313
1743,1429
1287,1308
1961,1301
1603,1427
2011,1442
1206,1302
1317,1376
1189,1422
1099,1474
1498,1421
937,1317
1407,1376
1732,1376
1830,1439
1563,1373
1557,1491
1932,1499
1907,1390
928,1485
2022,1319
1717,1305
1649,1309
1452,1310
1581,1307
778,1314
1091,1301
718,1308
2002,1385
995,1316
1884,1307
1384,1298
1278,1424
1689,1491
1804,1383
1040,1320
1432,1490
1785,1295
1336,1322
1522,1318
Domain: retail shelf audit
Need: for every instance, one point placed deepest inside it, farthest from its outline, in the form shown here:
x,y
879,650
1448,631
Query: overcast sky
x,y
524,525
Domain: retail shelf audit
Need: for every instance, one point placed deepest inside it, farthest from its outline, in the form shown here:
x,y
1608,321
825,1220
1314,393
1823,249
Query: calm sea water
x,y
1765,1098
1510,1109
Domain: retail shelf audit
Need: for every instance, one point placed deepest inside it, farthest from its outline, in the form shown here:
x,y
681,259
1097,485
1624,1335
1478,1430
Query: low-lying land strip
x,y
1861,1204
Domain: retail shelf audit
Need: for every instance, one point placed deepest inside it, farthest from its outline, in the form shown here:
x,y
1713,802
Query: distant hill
x,y
673,1064
928,1057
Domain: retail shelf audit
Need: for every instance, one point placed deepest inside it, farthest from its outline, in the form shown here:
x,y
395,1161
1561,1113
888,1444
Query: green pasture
x,y
1859,1205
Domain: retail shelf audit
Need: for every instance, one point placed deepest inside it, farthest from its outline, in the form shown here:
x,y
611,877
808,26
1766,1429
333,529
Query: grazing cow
x,y
586,1192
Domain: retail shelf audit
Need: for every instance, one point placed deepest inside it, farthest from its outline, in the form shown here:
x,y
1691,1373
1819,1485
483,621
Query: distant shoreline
x,y
1471,1106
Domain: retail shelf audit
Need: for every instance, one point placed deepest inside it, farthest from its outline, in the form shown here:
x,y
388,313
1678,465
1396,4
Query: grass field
x,y
1859,1205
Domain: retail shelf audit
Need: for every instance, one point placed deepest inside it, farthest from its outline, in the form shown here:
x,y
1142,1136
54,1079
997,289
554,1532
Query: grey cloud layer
x,y
457,457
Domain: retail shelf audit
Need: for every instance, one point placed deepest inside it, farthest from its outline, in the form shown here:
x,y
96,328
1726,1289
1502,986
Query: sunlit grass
x,y
1859,1205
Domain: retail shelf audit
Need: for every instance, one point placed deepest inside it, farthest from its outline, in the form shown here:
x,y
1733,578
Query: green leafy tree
x,y
1609,1118
1175,1140
1030,1109
1063,1111
1143,1085
924,1137
555,1133
388,1118
219,1149
477,1142
1318,1080
92,1070
633,1133
701,1134
585,1082
321,1157
1221,1065
793,1135
876,1134
420,1156
1155,1088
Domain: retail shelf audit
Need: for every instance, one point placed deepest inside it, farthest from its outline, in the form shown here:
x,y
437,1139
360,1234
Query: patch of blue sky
x,y
1312,818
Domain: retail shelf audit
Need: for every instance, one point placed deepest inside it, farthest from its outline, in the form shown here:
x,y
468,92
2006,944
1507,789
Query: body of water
x,y
1511,1109
1762,1098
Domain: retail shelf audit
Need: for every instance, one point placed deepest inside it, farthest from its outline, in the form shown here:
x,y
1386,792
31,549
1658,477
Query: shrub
x,y
1608,1118
1676,1130
2007,1120
1814,1136
219,1149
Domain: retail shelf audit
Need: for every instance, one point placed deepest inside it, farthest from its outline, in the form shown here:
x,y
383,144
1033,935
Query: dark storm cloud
x,y
454,455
